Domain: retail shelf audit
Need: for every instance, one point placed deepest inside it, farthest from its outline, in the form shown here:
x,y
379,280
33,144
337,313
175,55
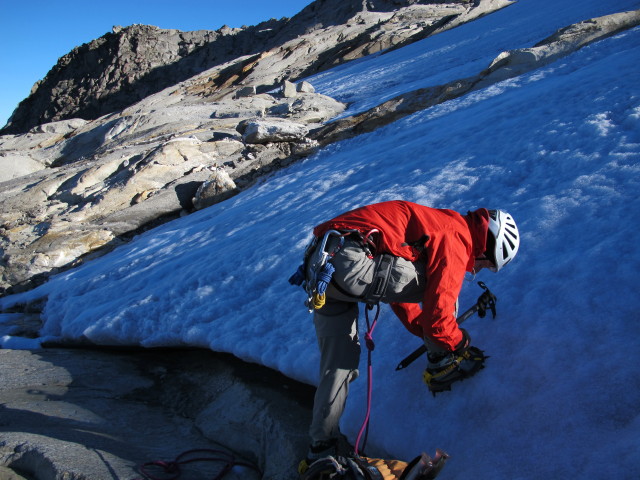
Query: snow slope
x,y
558,148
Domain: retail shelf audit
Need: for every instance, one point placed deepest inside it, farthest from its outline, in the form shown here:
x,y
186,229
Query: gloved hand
x,y
446,368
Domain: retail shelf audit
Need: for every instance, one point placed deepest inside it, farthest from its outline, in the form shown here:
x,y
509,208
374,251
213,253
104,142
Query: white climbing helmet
x,y
503,239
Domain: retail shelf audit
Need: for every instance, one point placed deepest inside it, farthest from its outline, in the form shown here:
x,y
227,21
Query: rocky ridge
x,y
506,65
131,63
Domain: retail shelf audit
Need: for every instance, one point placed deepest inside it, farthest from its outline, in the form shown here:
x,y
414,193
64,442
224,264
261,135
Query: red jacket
x,y
454,242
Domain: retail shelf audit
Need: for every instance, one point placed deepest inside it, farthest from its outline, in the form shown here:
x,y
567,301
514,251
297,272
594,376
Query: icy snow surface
x,y
558,148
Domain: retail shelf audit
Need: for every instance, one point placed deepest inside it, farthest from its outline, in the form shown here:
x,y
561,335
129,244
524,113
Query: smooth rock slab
x,y
75,413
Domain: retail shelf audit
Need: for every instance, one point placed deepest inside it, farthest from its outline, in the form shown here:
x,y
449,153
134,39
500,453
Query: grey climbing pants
x,y
336,326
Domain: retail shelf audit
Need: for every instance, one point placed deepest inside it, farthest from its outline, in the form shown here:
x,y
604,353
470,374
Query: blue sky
x,y
35,34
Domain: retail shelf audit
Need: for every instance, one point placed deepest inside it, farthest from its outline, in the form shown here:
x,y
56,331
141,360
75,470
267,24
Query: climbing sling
x,y
318,270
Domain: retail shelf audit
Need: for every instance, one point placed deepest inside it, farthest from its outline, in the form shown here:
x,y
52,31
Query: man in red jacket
x,y
412,257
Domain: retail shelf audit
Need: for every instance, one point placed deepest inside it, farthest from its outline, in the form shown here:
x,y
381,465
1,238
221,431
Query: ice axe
x,y
485,301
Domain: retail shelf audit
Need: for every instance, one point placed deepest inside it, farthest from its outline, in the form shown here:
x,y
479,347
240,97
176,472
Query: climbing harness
x,y
316,271
486,300
381,276
171,470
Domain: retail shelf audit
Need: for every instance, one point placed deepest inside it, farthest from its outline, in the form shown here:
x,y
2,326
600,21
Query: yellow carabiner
x,y
318,300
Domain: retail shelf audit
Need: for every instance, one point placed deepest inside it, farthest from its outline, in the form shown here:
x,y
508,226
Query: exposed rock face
x,y
125,66
96,184
128,64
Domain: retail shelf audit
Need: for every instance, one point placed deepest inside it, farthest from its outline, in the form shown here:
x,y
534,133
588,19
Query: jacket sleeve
x,y
446,264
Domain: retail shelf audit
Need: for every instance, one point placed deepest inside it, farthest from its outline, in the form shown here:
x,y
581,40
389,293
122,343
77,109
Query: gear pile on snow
x,y
422,467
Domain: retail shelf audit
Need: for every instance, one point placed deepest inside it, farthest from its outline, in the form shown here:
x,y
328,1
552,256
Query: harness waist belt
x,y
381,276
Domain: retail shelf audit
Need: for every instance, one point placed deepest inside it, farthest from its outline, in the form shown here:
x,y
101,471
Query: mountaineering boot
x,y
446,368
324,469
318,451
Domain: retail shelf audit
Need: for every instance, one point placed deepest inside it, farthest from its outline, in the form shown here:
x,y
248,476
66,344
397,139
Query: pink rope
x,y
368,337
171,470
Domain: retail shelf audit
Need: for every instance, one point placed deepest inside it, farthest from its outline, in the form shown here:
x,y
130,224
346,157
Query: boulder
x,y
289,89
214,190
310,108
246,91
305,87
226,147
267,131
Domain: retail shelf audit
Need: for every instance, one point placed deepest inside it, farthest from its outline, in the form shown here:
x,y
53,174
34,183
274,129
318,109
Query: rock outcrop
x,y
129,64
93,186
